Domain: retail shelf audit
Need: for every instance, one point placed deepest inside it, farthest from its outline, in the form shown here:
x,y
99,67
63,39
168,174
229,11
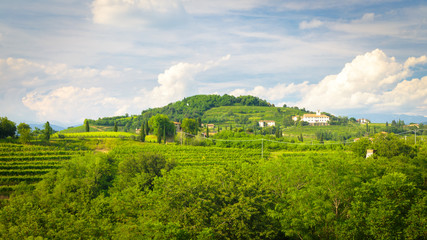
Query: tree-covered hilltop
x,y
191,107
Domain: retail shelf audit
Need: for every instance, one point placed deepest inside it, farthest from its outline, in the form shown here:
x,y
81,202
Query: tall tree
x,y
115,127
25,134
7,128
86,123
142,132
146,128
47,131
164,135
207,131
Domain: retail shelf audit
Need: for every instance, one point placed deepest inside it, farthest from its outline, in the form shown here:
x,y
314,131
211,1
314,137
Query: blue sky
x,y
64,61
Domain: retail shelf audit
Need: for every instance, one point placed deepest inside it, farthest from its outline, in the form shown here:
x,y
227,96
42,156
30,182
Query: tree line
x,y
23,131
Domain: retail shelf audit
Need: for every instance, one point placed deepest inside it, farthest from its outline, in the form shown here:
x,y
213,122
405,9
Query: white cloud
x,y
371,81
71,104
366,18
410,96
315,23
176,83
137,13
412,61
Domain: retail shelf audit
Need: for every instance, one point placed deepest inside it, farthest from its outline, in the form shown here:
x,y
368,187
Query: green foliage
x,y
381,207
24,131
360,146
47,131
389,145
86,124
115,127
142,132
7,128
190,192
141,170
190,126
160,123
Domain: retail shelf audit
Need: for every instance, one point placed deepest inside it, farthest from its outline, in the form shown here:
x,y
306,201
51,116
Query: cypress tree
x,y
147,129
207,131
164,134
115,127
47,131
87,128
142,132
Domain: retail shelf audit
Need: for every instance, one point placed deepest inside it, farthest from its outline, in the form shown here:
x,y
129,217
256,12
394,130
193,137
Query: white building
x,y
316,119
267,123
363,121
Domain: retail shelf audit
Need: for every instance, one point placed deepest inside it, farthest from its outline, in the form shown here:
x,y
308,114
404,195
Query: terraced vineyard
x,y
26,163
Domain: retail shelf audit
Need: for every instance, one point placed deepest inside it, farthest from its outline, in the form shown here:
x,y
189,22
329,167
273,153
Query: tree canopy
x,y
7,128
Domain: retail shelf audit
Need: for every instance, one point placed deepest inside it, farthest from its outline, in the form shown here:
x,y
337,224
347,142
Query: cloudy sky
x,y
64,61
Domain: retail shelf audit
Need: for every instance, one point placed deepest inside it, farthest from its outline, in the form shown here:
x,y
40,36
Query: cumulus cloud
x,y
371,81
312,24
177,82
134,13
71,104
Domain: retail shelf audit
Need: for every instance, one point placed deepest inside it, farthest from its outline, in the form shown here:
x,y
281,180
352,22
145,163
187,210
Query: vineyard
x,y
191,155
94,135
28,163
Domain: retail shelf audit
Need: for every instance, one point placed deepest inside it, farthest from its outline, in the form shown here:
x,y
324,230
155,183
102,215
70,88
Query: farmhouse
x,y
267,123
317,119
363,121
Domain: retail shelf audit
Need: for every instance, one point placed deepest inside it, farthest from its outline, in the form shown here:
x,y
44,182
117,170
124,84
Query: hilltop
x,y
221,110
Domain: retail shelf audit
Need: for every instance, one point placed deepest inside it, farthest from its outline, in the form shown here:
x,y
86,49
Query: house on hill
x,y
363,120
317,119
267,123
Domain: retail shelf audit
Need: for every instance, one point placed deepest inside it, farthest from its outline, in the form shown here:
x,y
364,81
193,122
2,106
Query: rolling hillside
x,y
226,109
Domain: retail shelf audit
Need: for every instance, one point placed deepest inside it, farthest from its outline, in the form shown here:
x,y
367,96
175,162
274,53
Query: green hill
x,y
223,111
203,107
249,115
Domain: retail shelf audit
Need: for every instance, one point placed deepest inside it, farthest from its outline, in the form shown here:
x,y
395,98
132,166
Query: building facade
x,y
317,119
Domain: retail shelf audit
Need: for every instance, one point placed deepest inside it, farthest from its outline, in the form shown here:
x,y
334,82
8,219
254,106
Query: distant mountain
x,y
382,118
41,126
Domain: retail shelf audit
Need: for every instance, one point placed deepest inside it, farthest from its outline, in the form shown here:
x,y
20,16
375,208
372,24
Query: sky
x,y
65,61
